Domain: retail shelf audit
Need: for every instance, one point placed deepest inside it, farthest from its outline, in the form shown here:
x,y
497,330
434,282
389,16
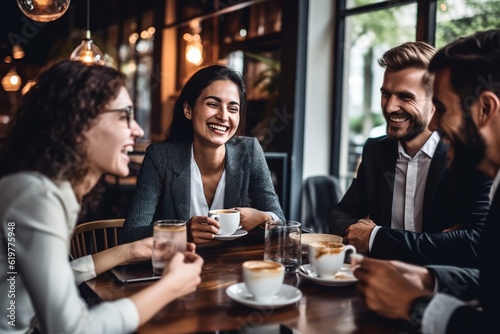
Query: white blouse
x,y
37,218
199,206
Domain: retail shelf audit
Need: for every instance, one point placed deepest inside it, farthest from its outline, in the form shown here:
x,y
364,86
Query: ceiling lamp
x,y
11,82
194,48
43,10
87,51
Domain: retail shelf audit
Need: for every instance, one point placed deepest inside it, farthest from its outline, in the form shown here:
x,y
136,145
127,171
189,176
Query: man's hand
x,y
454,228
418,275
358,235
384,289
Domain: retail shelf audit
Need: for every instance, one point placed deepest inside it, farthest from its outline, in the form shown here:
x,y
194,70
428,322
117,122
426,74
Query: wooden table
x,y
321,310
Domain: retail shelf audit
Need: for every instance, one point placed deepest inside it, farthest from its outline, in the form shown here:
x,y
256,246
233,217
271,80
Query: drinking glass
x,y
282,244
169,237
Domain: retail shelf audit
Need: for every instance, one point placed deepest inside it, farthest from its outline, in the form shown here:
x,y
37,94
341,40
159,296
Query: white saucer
x,y
235,235
287,295
344,276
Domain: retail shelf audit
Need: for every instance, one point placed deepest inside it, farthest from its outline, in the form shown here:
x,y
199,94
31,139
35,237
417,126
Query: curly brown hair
x,y
46,134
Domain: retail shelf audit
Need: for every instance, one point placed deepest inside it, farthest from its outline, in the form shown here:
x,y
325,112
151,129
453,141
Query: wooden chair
x,y
94,236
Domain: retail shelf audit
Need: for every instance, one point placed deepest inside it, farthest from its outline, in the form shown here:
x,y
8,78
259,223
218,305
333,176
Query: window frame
x,y
425,31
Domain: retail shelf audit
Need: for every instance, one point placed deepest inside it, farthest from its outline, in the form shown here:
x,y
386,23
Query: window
x,y
368,28
457,18
135,54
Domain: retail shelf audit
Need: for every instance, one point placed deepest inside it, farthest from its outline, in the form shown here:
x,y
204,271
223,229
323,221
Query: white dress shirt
x,y
43,215
409,187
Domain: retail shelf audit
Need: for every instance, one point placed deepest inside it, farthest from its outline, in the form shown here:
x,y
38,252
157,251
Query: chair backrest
x,y
94,236
321,195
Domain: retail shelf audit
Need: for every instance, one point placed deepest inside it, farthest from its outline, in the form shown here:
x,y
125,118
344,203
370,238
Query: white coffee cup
x,y
263,279
228,219
326,257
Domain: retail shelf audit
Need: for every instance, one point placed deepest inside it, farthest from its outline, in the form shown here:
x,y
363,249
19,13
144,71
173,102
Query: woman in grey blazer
x,y
202,166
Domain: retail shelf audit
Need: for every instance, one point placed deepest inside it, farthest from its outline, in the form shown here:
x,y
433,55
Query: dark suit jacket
x,y
447,201
469,319
462,283
164,184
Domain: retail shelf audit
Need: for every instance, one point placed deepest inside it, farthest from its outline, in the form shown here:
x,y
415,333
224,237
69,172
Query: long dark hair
x,y
182,128
46,135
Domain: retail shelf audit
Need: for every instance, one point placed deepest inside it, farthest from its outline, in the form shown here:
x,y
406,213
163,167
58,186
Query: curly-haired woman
x,y
76,124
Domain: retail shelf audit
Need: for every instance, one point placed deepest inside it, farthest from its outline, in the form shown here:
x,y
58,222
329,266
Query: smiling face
x,y
110,138
216,114
406,108
468,147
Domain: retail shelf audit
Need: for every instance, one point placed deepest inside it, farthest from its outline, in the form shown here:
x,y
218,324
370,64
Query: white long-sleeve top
x,y
37,217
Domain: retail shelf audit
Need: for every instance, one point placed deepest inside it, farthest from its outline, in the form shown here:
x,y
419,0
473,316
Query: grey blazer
x,y
164,184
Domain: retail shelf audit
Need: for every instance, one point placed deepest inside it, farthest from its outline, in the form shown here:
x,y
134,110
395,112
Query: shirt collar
x,y
429,147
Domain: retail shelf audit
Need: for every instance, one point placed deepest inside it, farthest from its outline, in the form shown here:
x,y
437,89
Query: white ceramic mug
x,y
228,219
326,258
263,279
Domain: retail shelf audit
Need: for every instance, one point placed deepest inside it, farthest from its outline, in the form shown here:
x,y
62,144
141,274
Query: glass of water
x,y
169,237
282,244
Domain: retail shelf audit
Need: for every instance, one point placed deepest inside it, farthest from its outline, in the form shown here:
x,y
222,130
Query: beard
x,y
417,126
468,152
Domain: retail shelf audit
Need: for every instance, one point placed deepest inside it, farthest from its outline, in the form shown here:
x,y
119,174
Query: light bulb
x,y
43,10
194,53
12,81
88,52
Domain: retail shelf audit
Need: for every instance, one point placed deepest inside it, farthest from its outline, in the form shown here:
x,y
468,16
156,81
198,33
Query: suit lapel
x,y
181,183
233,177
389,159
437,168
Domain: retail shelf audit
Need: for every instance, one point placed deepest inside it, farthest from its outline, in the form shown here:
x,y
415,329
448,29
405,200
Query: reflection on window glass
x,y
368,36
456,18
235,60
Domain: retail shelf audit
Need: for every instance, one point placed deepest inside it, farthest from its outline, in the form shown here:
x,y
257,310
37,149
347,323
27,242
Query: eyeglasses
x,y
130,114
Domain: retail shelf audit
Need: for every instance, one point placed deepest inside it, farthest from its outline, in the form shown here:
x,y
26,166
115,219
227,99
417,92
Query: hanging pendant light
x,y
87,51
43,10
12,81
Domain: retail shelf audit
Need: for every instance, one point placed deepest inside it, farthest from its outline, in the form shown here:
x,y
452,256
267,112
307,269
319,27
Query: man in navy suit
x,y
404,203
